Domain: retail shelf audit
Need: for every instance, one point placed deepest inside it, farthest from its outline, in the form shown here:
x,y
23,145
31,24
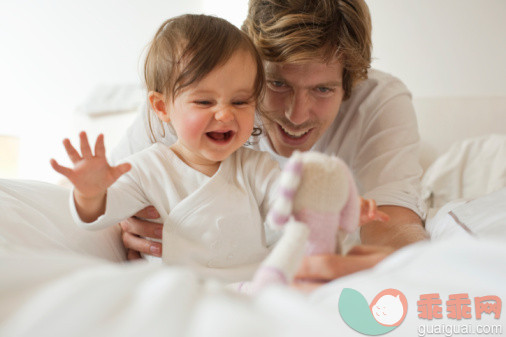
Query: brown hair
x,y
289,31
188,47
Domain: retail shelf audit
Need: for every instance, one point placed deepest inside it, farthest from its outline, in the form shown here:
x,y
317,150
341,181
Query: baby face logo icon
x,y
389,307
386,311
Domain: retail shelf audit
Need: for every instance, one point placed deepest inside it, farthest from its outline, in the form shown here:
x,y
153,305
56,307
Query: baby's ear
x,y
157,102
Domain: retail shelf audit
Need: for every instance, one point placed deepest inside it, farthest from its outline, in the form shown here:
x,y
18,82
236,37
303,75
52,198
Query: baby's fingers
x,y
373,213
71,151
60,169
381,216
371,209
99,146
118,171
369,212
85,146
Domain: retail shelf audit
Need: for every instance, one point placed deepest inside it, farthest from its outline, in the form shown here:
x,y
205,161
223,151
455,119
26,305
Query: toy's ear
x,y
159,105
289,182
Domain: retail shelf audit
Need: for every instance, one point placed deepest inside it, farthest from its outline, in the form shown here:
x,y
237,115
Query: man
x,y
321,96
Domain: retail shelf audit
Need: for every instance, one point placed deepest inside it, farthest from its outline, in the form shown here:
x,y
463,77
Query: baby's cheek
x,y
247,125
192,126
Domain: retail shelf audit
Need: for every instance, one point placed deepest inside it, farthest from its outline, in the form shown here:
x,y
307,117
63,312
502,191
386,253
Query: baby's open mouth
x,y
220,136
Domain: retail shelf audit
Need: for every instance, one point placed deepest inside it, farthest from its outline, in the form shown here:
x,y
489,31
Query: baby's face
x,y
214,116
388,310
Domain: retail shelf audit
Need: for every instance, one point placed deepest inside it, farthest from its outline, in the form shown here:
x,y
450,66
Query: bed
x,y
59,280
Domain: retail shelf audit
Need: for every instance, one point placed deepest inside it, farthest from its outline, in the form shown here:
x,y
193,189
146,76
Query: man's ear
x,y
157,101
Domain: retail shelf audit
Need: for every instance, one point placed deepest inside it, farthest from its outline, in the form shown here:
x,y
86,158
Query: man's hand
x,y
136,229
379,239
317,270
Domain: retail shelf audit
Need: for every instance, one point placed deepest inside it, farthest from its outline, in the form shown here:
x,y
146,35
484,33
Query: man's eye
x,y
277,84
324,90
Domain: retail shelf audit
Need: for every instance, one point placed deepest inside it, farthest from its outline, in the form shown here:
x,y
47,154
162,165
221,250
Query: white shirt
x,y
214,225
375,133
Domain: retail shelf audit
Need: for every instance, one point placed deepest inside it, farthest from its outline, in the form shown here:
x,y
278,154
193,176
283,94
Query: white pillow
x,y
469,169
483,217
36,215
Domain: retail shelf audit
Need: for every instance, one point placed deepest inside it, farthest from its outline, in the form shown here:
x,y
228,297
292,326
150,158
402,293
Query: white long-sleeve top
x,y
212,224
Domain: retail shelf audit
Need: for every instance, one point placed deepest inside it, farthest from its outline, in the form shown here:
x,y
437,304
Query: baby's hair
x,y
188,47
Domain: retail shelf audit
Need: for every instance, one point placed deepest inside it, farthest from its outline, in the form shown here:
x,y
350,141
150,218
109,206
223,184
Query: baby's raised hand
x,y
91,175
369,212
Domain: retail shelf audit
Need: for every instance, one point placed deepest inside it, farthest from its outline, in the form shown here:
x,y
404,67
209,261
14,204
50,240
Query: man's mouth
x,y
295,135
220,137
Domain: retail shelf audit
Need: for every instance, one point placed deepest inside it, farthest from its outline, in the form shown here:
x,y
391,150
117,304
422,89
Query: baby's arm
x,y
91,176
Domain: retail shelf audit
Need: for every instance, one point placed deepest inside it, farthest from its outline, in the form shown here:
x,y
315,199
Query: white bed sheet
x,y
36,215
56,294
58,280
453,266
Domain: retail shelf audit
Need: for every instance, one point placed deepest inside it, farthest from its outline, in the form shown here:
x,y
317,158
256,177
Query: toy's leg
x,y
284,260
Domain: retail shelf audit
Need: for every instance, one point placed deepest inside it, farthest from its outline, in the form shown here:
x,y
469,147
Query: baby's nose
x,y
224,115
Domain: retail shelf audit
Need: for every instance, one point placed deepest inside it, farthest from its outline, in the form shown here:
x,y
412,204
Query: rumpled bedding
x,y
36,215
57,280
470,169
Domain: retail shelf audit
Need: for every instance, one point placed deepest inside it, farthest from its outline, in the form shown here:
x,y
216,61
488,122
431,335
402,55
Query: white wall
x,y
442,47
234,11
54,52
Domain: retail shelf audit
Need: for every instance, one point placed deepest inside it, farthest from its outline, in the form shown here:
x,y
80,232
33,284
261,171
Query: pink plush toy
x,y
318,203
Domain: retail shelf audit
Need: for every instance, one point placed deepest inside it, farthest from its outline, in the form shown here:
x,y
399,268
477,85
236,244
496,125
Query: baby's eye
x,y
202,102
241,102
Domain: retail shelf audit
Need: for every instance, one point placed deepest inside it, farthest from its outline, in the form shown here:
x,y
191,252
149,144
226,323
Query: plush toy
x,y
318,202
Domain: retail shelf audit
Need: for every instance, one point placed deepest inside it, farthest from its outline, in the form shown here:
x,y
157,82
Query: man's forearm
x,y
403,228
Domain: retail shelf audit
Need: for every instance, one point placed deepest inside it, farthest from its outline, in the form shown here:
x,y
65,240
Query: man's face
x,y
301,101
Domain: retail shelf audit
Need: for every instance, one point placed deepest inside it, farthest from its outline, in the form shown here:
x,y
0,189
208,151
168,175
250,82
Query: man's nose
x,y
224,114
298,108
